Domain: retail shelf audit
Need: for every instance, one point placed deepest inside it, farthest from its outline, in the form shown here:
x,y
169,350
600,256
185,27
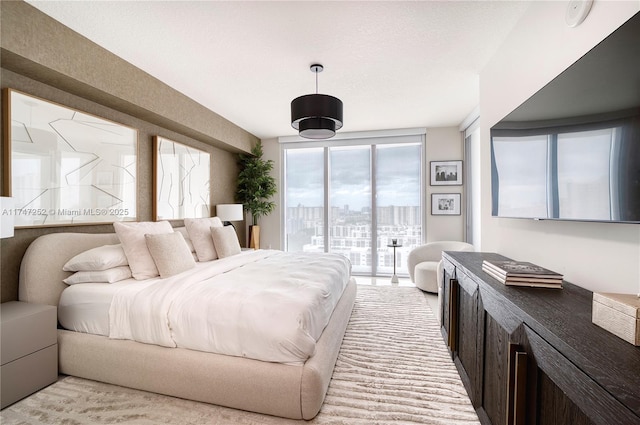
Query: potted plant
x,y
255,188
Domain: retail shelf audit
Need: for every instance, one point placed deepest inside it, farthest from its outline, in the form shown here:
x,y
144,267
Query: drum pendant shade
x,y
316,116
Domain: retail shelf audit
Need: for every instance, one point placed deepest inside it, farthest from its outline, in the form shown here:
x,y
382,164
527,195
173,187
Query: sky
x,y
398,179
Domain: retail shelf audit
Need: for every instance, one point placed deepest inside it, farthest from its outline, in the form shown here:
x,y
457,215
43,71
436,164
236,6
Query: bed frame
x,y
290,391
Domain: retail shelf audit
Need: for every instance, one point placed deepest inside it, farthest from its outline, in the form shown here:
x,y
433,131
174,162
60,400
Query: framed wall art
x,y
446,173
445,204
180,181
66,167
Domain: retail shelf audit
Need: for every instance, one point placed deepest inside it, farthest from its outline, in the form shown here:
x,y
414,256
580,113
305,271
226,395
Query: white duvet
x,y
266,305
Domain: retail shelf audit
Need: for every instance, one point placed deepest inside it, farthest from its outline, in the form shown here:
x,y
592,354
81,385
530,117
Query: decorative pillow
x,y
226,241
131,236
200,234
115,274
101,258
183,231
170,252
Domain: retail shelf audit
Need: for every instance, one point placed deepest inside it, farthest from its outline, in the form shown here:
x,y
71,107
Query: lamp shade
x,y
229,212
316,116
6,217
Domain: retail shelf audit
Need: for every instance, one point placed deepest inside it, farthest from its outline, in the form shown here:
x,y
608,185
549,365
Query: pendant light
x,y
316,116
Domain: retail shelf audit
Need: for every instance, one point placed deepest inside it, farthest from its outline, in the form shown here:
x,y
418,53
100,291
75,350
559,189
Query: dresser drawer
x,y
28,349
25,329
28,374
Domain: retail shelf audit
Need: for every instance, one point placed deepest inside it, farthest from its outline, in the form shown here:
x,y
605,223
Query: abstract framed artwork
x,y
181,183
446,173
65,167
445,204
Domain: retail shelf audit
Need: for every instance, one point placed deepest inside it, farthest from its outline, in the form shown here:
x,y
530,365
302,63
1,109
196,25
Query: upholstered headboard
x,y
41,271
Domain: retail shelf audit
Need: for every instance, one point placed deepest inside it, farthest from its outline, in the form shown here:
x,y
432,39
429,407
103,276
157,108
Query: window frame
x,y
373,139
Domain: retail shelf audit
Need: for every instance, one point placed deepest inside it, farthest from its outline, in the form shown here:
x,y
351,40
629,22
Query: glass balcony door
x,y
354,200
398,213
350,203
304,199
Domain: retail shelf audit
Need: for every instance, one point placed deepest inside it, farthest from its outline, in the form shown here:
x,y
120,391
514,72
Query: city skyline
x,y
350,234
349,180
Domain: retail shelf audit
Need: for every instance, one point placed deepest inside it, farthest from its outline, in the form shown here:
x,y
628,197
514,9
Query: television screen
x,y
572,151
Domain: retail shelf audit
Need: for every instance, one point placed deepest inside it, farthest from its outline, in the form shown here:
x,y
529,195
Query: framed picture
x,y
181,177
65,167
445,204
446,173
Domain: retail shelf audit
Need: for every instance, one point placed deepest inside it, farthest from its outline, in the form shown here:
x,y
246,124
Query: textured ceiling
x,y
393,64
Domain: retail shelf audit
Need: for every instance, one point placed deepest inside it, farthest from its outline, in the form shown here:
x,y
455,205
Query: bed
x,y
293,390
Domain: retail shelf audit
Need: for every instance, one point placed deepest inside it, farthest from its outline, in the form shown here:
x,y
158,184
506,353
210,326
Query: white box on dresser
x,y
619,314
28,349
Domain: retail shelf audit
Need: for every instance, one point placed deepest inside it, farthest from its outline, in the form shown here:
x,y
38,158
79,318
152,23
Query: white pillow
x,y
170,253
200,234
226,241
131,237
185,234
100,276
100,258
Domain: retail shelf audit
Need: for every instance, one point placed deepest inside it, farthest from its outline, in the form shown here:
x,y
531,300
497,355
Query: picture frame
x,y
445,204
446,173
65,167
181,181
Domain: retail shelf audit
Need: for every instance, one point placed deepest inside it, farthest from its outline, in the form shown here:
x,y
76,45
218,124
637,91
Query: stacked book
x,y
521,273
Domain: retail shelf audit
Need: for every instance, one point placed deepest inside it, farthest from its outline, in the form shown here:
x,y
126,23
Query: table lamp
x,y
229,212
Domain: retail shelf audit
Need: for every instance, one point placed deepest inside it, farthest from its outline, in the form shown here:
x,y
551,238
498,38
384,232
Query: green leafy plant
x,y
255,184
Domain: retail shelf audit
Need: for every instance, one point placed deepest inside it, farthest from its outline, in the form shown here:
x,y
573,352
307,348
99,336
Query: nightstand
x,y
28,350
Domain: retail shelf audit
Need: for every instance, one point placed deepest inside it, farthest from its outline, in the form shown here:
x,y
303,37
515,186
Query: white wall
x,y
598,256
444,144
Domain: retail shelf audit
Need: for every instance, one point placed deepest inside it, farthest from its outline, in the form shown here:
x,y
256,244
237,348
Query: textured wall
x,y
43,49
223,174
44,58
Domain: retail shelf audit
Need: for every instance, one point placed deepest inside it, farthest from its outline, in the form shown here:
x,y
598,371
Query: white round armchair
x,y
425,262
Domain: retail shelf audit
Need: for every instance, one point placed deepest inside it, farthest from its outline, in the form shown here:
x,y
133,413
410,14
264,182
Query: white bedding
x,y
85,307
266,305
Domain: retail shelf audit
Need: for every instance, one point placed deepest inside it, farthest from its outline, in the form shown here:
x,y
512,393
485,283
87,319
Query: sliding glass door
x,y
350,205
304,200
398,213
353,199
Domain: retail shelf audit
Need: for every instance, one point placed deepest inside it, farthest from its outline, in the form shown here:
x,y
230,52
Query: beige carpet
x,y
393,368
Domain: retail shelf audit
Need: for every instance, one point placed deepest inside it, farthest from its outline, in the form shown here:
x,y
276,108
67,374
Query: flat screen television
x,y
572,150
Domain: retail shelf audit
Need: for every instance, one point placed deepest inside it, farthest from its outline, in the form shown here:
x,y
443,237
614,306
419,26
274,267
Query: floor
x,y
432,299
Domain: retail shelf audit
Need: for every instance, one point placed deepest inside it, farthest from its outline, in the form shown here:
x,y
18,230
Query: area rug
x,y
393,368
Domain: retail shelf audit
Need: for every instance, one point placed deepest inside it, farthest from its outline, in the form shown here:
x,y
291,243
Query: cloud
x,y
398,176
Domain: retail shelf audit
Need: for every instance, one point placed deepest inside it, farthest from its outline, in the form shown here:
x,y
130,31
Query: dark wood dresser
x,y
532,355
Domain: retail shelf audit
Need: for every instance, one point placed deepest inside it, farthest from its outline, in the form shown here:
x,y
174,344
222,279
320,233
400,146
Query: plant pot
x,y
254,236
